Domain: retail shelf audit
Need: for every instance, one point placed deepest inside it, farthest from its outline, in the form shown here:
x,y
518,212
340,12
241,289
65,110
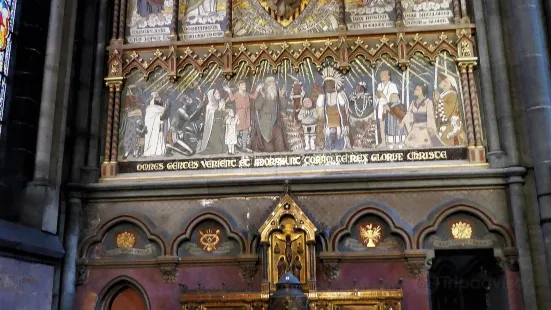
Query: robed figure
x,y
213,129
267,135
155,137
420,121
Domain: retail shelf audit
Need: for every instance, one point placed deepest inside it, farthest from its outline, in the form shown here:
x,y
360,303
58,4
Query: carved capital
x,y
416,268
247,271
507,259
170,272
81,275
331,270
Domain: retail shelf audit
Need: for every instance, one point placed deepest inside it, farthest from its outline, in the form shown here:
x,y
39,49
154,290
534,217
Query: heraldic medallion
x,y
370,234
126,239
461,230
209,240
284,11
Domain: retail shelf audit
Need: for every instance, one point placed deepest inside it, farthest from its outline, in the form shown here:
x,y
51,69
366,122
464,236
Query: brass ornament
x,y
461,230
126,239
284,11
370,234
209,240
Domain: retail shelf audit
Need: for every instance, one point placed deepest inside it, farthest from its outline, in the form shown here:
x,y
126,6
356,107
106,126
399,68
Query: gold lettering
x,y
150,167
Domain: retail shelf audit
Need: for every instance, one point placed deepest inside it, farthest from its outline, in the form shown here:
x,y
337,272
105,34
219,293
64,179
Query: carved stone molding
x,y
418,262
169,273
81,275
507,259
247,271
169,267
331,265
416,268
331,269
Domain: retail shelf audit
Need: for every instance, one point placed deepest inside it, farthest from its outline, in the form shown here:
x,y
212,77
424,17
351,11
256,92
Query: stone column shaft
x,y
97,97
69,262
498,67
495,154
532,65
49,92
516,199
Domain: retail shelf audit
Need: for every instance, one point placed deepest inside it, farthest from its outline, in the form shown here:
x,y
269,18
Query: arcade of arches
x,y
217,154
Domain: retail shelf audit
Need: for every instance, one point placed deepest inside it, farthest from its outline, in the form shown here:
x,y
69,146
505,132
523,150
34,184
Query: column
x,y
69,261
531,63
40,201
496,156
265,286
312,253
467,104
91,170
498,69
517,208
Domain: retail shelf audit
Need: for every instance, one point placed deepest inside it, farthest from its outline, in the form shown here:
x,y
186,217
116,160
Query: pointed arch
x,y
100,234
444,211
375,209
114,287
202,217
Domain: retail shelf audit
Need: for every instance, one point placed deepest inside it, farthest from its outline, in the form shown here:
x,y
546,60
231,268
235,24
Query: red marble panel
x,y
164,295
367,275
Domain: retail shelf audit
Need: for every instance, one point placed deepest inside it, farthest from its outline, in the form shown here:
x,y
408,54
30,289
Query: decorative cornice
x,y
394,179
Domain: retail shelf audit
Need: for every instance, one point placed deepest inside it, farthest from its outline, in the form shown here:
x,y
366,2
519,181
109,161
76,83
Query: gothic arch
x,y
115,286
205,216
100,234
437,217
322,240
384,213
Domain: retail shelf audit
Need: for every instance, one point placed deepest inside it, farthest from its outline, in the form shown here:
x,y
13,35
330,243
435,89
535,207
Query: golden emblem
x,y
284,11
209,240
126,239
370,234
461,230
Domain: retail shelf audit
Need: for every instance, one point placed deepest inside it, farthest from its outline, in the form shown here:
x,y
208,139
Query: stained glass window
x,y
7,16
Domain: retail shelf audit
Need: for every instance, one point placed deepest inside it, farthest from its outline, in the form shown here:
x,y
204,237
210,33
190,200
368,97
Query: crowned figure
x,y
331,105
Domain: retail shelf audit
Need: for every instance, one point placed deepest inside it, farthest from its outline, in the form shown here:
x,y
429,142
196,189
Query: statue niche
x,y
288,241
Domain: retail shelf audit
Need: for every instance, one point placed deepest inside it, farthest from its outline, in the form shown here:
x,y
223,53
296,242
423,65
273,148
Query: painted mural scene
x,y
314,110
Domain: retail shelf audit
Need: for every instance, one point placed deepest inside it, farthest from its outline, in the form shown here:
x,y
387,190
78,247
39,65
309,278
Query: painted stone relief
x,y
123,242
273,117
427,12
369,14
463,230
274,17
202,19
370,233
209,239
148,20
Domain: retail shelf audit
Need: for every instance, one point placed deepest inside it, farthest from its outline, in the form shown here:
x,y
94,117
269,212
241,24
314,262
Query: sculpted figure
x,y
284,8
